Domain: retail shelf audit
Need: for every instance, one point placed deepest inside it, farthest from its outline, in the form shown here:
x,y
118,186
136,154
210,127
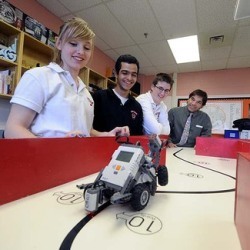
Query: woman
x,y
52,101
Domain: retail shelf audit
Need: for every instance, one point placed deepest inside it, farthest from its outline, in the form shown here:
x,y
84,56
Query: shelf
x,y
35,52
8,29
4,63
33,44
91,77
10,37
3,96
97,79
111,83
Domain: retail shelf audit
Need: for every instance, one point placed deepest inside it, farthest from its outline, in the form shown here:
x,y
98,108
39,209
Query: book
x,y
6,79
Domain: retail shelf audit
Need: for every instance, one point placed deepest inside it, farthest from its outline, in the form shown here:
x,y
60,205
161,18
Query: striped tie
x,y
185,133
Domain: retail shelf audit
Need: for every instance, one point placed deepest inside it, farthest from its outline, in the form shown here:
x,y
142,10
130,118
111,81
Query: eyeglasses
x,y
166,91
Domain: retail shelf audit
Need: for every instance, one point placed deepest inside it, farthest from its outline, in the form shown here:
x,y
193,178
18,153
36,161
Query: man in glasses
x,y
188,122
155,112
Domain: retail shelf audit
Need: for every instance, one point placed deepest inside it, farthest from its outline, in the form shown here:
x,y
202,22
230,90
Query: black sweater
x,y
110,112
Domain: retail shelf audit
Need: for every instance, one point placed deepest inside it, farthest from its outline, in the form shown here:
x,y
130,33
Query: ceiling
x,y
142,27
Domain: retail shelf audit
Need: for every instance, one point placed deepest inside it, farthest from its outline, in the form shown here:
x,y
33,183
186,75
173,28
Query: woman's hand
x,y
75,133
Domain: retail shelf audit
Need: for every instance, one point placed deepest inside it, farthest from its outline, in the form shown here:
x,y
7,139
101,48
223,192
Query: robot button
x,y
118,167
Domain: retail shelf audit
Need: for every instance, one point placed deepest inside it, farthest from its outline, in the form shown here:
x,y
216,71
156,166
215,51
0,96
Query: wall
x,y
217,83
100,61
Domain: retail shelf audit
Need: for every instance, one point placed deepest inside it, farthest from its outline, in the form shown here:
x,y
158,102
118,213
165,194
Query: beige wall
x,y
219,82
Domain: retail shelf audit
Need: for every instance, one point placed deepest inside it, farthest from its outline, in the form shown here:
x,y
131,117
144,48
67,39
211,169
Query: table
x,y
194,211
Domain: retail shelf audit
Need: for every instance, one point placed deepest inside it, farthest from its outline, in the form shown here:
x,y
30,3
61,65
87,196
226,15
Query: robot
x,y
131,176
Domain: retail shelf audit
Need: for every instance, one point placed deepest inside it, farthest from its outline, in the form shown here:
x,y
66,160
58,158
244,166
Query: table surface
x,y
194,211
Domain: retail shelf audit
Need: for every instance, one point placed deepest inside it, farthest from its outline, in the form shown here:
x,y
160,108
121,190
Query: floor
x,y
195,211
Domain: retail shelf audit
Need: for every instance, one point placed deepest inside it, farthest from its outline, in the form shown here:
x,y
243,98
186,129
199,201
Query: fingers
x,y
75,134
172,145
125,131
120,131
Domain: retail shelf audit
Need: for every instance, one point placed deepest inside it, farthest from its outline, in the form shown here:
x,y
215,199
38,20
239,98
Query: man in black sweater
x,y
116,107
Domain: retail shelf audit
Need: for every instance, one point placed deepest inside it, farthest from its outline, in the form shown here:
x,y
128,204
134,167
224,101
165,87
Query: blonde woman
x,y
52,101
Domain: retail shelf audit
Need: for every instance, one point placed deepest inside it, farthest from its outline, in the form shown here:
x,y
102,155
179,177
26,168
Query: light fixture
x,y
185,49
242,9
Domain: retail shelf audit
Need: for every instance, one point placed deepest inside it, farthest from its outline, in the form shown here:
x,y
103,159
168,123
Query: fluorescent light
x,y
185,49
242,9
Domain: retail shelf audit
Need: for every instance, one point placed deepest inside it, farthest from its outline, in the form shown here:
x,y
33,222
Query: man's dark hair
x,y
200,93
126,59
163,77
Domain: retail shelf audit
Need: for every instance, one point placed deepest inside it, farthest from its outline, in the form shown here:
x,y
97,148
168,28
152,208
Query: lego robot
x,y
131,176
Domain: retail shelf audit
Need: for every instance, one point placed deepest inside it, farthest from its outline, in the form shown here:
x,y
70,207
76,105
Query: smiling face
x,y
194,103
75,54
160,91
126,78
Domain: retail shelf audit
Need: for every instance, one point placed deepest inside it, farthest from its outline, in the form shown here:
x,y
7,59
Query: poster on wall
x,y
222,112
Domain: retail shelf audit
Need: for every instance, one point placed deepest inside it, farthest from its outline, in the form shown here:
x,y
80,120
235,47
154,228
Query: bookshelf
x,y
96,81
29,53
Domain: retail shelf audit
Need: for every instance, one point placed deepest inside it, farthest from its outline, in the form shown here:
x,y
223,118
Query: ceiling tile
x,y
168,68
214,64
215,15
177,18
135,51
239,62
77,5
186,67
55,7
137,18
106,26
158,52
215,53
120,27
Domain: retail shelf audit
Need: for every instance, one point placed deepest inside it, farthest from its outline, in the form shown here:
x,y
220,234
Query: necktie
x,y
185,132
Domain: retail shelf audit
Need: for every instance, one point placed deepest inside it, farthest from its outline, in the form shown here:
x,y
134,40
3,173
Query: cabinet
x,y
29,53
9,36
96,81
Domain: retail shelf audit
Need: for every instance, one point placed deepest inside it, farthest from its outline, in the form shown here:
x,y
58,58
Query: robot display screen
x,y
124,156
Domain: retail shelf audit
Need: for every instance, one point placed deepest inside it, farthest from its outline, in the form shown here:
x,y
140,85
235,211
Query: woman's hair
x,y
74,28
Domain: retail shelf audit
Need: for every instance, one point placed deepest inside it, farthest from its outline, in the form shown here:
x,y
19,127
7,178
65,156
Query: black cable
x,y
68,240
199,192
175,155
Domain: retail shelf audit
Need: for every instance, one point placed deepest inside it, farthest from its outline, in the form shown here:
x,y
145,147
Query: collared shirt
x,y
111,113
200,125
61,107
155,116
